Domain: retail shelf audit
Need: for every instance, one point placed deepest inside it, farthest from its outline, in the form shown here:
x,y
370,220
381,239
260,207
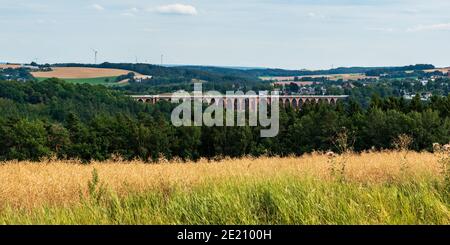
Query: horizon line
x,y
226,66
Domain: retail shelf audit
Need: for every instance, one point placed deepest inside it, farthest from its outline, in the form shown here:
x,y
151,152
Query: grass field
x,y
373,188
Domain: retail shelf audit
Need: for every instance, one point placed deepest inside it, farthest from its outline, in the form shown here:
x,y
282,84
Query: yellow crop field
x,y
80,72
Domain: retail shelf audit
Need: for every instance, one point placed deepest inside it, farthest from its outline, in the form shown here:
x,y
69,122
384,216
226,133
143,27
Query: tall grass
x,y
292,190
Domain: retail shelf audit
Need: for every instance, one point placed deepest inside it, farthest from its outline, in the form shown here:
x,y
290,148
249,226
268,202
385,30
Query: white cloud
x,y
98,7
179,9
434,27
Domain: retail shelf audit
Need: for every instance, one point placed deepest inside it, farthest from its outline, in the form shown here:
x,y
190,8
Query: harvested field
x,y
443,70
14,66
80,72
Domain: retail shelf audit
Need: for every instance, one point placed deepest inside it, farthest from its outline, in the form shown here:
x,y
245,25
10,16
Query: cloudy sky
x,y
256,33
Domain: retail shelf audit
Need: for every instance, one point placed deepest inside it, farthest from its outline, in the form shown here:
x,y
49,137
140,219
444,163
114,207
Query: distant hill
x,y
380,71
226,67
169,79
272,72
199,72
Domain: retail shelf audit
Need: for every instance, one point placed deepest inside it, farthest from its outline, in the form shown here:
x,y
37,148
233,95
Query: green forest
x,y
53,118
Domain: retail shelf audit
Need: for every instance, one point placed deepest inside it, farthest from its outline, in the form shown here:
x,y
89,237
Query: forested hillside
x,y
169,79
228,73
262,72
41,119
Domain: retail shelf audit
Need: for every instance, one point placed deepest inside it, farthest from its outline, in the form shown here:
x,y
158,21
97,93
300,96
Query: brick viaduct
x,y
244,101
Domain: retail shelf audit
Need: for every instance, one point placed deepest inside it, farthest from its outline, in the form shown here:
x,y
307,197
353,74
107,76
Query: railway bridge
x,y
244,101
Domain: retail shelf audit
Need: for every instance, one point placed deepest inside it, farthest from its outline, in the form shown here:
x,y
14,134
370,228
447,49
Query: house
x,y
408,96
300,84
141,78
426,96
348,85
423,96
424,82
31,68
307,91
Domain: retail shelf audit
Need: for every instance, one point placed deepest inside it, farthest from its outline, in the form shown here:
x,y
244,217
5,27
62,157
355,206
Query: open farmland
x,y
80,72
94,76
371,188
5,66
443,70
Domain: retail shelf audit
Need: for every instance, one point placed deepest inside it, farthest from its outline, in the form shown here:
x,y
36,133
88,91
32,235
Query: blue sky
x,y
293,34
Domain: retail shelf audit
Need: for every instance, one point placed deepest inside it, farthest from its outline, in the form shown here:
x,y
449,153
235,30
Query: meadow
x,y
106,81
392,187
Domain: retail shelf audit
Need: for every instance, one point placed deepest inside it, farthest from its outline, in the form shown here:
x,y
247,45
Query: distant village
x,y
320,85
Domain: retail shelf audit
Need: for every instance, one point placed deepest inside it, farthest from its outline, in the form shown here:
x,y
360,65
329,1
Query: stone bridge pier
x,y
243,102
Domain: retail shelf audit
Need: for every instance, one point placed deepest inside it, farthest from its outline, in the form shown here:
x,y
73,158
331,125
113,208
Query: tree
x,y
293,88
24,140
57,138
416,104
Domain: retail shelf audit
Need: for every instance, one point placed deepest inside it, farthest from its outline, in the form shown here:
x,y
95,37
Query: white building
x,y
141,78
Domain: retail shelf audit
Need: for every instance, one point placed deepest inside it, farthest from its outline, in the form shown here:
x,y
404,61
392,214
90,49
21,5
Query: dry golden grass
x,y
80,72
27,184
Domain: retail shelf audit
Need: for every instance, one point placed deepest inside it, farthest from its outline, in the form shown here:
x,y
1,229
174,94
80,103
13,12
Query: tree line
x,y
388,70
54,118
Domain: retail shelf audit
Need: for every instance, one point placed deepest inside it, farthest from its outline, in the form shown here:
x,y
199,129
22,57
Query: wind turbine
x,y
95,55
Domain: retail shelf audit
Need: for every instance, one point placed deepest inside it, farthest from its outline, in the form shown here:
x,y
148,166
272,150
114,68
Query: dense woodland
x,y
15,74
387,70
54,118
169,79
